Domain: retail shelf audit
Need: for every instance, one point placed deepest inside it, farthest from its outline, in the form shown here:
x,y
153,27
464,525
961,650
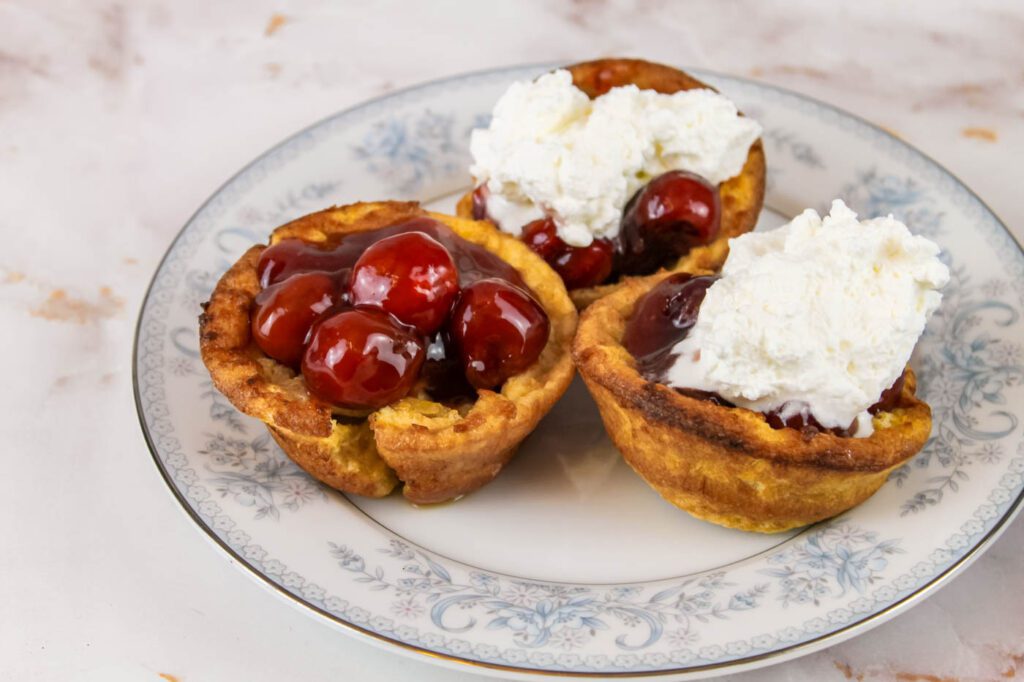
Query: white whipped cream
x,y
819,315
550,149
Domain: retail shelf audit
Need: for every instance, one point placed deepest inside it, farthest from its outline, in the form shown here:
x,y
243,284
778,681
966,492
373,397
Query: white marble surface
x,y
118,119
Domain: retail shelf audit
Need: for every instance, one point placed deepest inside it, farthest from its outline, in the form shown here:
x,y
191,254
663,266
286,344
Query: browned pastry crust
x,y
727,465
438,452
742,196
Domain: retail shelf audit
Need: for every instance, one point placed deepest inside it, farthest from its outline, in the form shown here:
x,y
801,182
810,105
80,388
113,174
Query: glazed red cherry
x,y
289,256
890,397
579,266
499,331
542,238
664,315
480,195
411,276
670,215
361,359
283,313
586,266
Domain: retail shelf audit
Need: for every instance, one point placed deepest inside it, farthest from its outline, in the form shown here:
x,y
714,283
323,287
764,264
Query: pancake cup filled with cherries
x,y
655,171
383,346
776,394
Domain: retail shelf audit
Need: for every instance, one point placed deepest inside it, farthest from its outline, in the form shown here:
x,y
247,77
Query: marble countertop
x,y
118,119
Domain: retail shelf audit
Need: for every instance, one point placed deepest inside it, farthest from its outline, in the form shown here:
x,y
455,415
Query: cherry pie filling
x,y
665,219
665,315
372,315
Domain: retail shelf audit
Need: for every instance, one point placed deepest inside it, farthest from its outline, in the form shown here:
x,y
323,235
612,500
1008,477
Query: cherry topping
x,y
411,276
283,313
472,260
809,425
805,422
476,263
499,331
289,256
480,195
890,397
664,315
361,359
665,219
406,283
586,266
542,238
579,266
443,371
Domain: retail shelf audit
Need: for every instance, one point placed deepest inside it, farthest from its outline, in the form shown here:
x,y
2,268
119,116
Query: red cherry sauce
x,y
443,370
662,318
290,256
408,278
805,423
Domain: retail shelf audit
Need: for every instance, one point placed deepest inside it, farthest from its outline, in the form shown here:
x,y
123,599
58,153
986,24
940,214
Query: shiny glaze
x,y
578,266
409,276
665,219
361,359
289,256
283,313
662,318
499,331
443,370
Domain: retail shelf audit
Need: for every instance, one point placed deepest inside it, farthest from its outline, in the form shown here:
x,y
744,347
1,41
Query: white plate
x,y
569,563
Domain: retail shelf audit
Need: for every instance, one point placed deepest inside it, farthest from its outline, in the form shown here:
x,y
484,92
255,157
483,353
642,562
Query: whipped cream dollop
x,y
816,317
551,150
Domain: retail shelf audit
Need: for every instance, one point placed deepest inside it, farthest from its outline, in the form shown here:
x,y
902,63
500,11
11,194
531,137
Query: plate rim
x,y
422,653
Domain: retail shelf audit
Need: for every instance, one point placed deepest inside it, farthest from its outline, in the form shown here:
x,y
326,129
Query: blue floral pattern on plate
x,y
820,586
827,564
405,152
537,613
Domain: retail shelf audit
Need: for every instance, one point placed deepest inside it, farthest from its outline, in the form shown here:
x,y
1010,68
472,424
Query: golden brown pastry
x,y
726,464
436,448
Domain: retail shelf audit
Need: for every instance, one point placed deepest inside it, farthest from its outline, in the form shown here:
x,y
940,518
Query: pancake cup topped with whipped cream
x,y
777,393
617,168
